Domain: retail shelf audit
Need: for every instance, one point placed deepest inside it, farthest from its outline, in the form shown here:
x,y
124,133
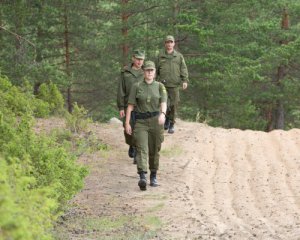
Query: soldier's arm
x,y
128,128
184,75
120,95
157,67
163,103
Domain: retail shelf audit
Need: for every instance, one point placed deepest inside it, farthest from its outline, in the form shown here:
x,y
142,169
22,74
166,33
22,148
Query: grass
x,y
155,196
108,228
173,151
153,222
105,224
156,207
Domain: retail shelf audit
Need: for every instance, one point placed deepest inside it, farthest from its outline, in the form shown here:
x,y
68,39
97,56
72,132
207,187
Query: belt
x,y
146,115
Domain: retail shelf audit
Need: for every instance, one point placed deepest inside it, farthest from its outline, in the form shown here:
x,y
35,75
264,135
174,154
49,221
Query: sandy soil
x,y
214,184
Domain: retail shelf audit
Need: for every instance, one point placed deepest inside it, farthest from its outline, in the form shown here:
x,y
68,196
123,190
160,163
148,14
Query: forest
x,y
242,56
65,56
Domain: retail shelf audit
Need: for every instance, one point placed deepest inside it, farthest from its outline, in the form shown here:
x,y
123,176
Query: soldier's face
x,y
149,74
137,62
169,45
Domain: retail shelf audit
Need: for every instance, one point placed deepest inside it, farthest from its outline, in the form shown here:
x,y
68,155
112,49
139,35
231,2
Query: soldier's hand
x,y
122,113
184,86
161,119
128,129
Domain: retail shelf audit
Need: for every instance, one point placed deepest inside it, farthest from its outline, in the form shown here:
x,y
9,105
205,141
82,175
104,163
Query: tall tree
x,y
231,48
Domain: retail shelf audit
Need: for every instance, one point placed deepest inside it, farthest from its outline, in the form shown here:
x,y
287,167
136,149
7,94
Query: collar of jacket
x,y
164,54
130,70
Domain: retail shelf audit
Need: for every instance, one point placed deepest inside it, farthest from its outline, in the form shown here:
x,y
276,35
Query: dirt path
x,y
215,184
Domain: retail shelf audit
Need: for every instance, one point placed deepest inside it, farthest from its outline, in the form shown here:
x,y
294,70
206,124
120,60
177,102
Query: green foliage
x,y
106,112
25,212
232,48
235,70
18,102
77,121
89,143
50,94
38,175
295,115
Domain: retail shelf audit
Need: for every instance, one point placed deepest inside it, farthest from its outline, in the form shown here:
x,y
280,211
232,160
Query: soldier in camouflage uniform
x,y
172,72
148,99
130,75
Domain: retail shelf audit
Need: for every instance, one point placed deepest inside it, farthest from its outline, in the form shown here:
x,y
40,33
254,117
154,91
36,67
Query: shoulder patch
x,y
162,87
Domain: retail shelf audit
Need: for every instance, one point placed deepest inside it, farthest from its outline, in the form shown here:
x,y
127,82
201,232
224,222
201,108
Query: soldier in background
x,y
130,75
148,99
173,73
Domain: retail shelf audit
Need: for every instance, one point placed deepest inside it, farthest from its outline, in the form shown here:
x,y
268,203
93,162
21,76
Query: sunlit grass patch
x,y
105,223
153,222
143,227
172,151
155,196
157,207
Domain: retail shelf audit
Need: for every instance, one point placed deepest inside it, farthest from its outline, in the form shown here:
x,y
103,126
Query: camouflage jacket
x,y
129,76
171,69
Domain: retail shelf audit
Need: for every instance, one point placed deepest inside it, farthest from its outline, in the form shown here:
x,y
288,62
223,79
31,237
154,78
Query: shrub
x,y
25,213
50,94
37,173
77,121
18,102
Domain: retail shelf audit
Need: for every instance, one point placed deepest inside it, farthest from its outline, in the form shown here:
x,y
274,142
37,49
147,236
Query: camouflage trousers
x,y
172,104
148,136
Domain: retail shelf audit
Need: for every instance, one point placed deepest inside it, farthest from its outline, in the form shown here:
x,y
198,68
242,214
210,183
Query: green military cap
x,y
149,65
140,54
169,38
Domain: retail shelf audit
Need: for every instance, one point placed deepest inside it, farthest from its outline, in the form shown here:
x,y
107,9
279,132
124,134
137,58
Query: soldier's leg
x,y
155,139
174,96
141,143
167,121
130,141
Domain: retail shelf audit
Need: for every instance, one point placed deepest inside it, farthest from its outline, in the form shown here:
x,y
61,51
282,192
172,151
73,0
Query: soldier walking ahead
x,y
148,99
172,72
129,76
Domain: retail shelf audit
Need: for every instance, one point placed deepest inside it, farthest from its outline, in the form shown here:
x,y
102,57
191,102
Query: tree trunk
x,y
176,10
275,115
279,115
18,46
67,58
281,73
0,27
38,56
125,47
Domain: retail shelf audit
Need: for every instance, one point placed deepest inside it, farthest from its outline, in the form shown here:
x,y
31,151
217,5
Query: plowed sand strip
x,y
226,152
197,173
290,157
203,169
244,210
249,200
281,173
286,187
269,184
260,154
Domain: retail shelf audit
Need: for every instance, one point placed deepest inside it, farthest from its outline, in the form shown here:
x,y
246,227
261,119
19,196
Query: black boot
x,y
167,123
143,181
153,181
171,128
134,160
131,152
